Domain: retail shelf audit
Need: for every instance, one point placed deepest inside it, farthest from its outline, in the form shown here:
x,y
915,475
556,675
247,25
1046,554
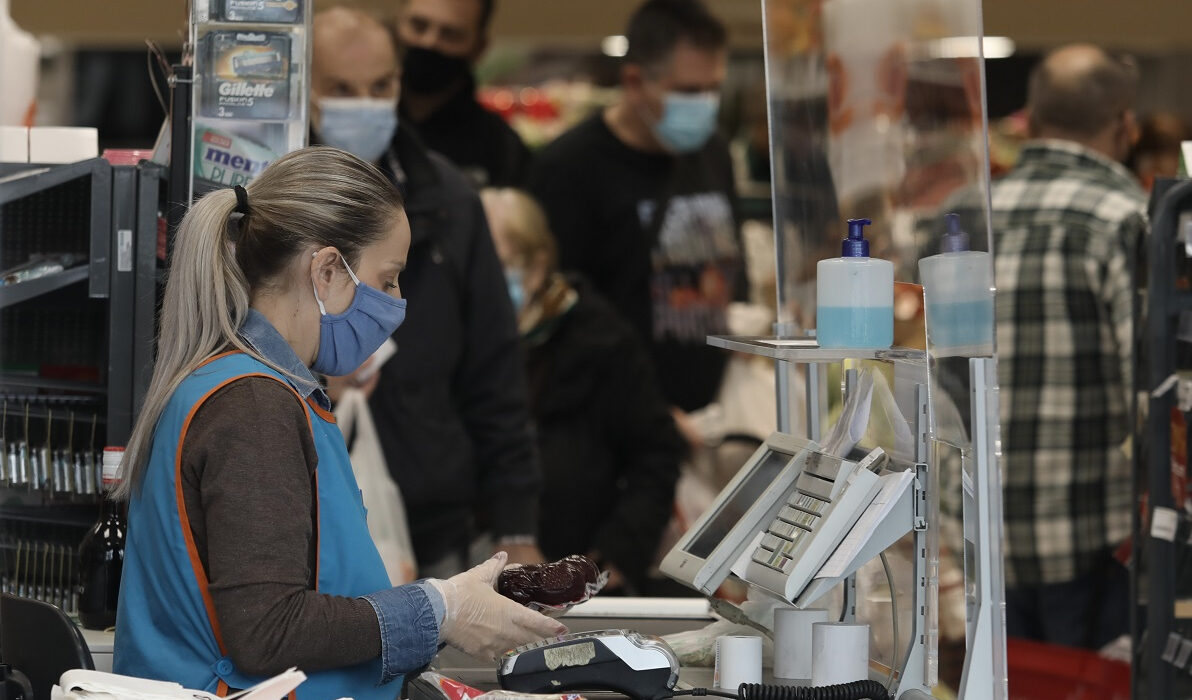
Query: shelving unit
x,y
1161,625
76,353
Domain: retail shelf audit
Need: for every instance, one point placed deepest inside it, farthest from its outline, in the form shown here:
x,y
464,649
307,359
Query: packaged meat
x,y
555,587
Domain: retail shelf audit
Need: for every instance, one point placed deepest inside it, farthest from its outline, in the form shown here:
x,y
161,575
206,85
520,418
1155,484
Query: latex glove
x,y
524,554
484,623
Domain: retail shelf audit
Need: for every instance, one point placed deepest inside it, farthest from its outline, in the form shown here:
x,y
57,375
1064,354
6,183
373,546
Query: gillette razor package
x,y
250,75
278,11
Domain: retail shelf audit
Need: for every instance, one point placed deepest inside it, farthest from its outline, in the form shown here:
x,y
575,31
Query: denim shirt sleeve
x,y
410,617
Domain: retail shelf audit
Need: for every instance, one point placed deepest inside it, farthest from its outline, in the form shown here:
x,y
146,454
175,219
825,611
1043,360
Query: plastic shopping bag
x,y
382,498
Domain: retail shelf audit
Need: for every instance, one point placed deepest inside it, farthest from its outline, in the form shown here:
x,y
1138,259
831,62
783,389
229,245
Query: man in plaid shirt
x,y
1064,220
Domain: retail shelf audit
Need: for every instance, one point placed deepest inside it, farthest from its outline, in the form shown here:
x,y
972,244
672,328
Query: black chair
x,y
40,641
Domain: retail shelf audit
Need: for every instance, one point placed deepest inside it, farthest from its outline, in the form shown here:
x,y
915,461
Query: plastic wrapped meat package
x,y
553,588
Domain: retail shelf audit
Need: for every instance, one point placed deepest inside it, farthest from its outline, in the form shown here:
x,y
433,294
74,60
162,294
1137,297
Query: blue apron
x,y
166,627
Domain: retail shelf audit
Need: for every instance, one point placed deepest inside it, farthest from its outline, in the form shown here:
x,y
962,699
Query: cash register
x,y
779,520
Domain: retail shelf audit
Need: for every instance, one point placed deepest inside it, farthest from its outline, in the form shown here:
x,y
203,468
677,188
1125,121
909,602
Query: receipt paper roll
x,y
738,660
839,653
792,641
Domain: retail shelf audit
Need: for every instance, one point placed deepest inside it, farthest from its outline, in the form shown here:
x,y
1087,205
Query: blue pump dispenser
x,y
855,246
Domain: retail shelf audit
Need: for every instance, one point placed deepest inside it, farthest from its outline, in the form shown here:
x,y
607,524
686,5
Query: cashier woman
x,y
247,548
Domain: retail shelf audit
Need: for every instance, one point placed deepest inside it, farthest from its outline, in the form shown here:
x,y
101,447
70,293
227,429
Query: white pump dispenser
x,y
958,293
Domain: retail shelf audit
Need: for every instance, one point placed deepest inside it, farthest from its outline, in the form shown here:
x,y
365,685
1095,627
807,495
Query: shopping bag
x,y
382,498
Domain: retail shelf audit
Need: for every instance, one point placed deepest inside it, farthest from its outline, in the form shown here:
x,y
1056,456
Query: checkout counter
x,y
656,616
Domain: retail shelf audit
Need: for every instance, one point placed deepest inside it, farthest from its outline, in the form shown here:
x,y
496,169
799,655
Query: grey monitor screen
x,y
733,508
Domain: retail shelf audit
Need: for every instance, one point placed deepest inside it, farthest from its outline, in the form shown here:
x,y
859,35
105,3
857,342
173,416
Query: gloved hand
x,y
482,622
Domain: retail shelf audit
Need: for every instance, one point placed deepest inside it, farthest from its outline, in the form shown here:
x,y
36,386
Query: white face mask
x,y
362,126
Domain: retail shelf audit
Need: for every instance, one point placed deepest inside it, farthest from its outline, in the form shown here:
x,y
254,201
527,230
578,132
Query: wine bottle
x,y
101,555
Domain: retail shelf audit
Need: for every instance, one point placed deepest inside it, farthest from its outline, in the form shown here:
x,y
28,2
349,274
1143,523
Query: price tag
x,y
1163,524
1173,646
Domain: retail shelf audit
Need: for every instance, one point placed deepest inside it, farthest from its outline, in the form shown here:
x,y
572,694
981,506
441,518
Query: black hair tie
x,y
241,199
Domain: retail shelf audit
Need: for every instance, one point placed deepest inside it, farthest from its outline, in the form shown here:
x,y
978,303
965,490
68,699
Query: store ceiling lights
x,y
966,47
615,45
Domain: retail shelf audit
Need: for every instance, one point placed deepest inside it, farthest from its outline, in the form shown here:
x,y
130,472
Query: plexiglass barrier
x,y
877,111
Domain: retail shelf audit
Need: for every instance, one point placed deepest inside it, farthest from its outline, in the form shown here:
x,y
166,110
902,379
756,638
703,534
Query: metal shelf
x,y
24,291
29,380
21,181
1158,608
807,350
30,506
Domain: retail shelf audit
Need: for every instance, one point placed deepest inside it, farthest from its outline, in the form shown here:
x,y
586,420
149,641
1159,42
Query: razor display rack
x,y
250,88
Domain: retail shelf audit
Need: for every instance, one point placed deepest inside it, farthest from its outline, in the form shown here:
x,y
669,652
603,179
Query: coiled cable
x,y
857,690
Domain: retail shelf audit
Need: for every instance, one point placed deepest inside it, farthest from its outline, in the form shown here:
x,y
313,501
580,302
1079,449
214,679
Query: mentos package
x,y
226,159
280,11
250,75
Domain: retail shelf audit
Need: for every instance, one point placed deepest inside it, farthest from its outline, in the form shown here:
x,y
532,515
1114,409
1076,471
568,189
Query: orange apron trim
x,y
319,528
322,413
195,562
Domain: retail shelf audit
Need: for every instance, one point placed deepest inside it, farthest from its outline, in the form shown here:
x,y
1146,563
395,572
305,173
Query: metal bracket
x,y
919,501
922,422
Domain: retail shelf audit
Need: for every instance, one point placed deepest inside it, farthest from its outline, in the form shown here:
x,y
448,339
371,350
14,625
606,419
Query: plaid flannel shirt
x,y
1064,220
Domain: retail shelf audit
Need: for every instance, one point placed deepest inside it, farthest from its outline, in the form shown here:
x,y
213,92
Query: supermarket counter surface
x,y
658,616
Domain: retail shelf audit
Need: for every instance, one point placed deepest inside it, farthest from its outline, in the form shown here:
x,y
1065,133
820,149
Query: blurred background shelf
x,y
24,291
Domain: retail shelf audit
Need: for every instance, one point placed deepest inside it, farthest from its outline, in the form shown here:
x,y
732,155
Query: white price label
x,y
1163,524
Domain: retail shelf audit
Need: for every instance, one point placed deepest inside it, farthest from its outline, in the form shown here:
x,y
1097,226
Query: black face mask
x,y
428,71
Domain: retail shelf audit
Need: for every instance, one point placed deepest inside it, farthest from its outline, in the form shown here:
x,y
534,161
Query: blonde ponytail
x,y
312,197
206,300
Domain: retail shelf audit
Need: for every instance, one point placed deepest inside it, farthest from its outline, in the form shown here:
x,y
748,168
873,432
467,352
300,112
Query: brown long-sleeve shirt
x,y
248,487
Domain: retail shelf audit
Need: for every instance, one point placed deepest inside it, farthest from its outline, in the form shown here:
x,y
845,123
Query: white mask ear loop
x,y
323,309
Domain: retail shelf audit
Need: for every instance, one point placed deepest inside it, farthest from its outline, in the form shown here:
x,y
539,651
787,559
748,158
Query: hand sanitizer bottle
x,y
855,296
958,291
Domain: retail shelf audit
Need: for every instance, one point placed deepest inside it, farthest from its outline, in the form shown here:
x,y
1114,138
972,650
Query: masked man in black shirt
x,y
641,197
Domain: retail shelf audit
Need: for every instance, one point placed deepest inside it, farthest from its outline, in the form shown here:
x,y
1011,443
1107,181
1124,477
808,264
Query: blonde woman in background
x,y
248,551
603,427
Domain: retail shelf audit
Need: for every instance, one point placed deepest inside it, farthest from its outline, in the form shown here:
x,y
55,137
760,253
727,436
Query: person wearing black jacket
x,y
442,40
450,407
604,429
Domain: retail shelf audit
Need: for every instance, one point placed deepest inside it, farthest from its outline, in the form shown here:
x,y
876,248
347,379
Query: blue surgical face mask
x,y
517,293
346,340
687,120
362,126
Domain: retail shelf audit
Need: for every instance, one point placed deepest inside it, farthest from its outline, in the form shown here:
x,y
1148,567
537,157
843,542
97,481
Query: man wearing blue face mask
x,y
450,408
641,197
